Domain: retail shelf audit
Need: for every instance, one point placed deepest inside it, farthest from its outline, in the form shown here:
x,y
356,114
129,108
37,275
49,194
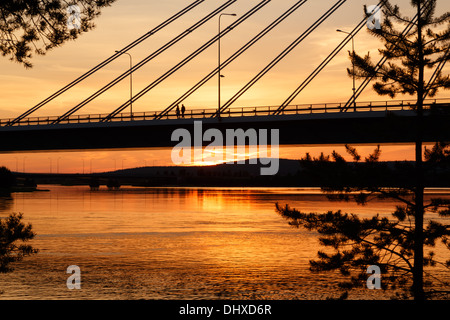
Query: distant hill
x,y
286,167
291,174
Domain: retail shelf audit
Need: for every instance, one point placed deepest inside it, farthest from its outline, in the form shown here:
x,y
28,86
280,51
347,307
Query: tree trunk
x,y
419,192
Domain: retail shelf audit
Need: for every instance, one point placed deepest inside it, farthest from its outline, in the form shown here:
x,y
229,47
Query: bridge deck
x,y
297,126
324,108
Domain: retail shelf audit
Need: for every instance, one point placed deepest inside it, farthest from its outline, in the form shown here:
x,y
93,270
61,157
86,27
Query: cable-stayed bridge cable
x,y
186,60
235,55
324,63
150,57
107,61
436,73
283,54
380,63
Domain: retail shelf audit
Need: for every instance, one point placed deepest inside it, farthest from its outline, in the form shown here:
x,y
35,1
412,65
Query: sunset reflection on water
x,y
173,243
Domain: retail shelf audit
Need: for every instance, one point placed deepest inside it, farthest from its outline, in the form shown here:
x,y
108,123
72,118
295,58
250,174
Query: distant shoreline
x,y
302,190
292,174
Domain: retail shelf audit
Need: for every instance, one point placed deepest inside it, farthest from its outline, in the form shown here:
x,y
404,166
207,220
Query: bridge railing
x,y
391,105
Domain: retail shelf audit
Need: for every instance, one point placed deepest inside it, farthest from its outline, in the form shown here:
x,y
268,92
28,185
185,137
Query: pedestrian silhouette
x,y
183,110
178,111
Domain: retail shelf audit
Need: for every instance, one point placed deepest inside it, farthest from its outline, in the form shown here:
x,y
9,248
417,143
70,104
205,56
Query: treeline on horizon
x,y
306,172
313,173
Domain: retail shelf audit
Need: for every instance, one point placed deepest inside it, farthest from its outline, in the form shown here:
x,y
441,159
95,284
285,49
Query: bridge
x,y
352,121
372,122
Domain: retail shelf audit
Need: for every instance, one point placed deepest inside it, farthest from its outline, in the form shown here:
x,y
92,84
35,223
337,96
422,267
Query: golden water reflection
x,y
173,243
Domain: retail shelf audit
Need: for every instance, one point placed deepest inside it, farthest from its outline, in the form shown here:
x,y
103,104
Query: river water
x,y
174,243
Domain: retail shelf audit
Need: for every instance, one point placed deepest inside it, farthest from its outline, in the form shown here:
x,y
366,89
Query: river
x,y
174,243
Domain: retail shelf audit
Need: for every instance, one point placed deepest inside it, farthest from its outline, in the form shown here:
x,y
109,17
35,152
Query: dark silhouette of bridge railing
x,y
321,108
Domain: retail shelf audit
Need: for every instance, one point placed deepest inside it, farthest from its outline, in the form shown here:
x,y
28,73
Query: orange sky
x,y
125,21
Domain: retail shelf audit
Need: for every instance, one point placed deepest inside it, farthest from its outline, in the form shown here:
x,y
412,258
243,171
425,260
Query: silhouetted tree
x,y
7,179
407,56
94,184
13,236
30,183
37,26
113,184
388,243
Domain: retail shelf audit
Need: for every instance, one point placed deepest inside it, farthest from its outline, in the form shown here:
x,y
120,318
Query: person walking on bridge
x,y
178,111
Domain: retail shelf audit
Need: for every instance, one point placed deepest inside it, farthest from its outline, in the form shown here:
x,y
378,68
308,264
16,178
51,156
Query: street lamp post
x,y
353,66
131,82
218,58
